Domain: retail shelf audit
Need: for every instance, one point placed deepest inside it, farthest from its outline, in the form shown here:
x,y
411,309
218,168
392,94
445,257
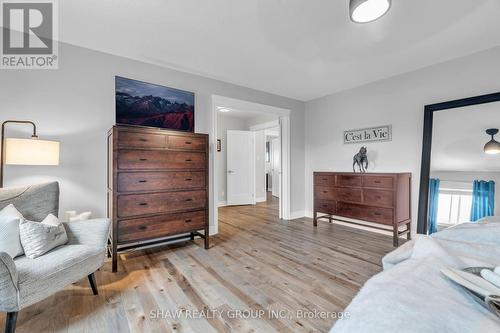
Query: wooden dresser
x,y
381,198
157,187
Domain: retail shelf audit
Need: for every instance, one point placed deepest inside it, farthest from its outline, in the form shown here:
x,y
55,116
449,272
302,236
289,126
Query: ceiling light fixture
x,y
493,146
364,11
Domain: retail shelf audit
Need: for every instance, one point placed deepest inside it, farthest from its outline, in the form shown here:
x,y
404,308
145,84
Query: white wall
x,y
470,176
224,123
398,101
75,104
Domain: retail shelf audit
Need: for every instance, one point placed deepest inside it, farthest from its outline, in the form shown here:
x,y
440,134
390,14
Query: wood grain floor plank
x,y
256,264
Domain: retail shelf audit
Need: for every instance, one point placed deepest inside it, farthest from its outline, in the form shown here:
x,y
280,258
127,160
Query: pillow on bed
x,y
484,233
490,219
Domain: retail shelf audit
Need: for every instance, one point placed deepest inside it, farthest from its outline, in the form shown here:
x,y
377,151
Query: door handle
x,y
230,171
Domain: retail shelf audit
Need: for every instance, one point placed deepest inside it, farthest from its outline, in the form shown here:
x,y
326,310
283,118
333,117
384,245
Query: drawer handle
x,y
377,214
143,140
143,204
189,160
188,221
325,179
143,227
143,181
325,191
189,199
188,179
188,142
143,159
324,206
378,197
376,181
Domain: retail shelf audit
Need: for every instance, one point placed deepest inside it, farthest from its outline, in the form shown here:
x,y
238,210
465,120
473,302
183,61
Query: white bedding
x,y
411,295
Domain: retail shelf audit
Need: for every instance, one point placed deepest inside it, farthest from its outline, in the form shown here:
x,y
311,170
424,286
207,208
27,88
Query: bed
x,y
411,294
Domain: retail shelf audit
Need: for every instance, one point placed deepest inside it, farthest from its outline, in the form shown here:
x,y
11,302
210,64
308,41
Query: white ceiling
x,y
294,48
458,138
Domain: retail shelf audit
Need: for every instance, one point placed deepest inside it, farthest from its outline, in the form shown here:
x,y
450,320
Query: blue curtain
x,y
433,205
483,199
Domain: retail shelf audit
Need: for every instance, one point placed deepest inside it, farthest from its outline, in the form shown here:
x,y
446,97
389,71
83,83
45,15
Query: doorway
x,y
239,128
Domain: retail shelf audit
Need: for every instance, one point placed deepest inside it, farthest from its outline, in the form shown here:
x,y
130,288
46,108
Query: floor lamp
x,y
31,151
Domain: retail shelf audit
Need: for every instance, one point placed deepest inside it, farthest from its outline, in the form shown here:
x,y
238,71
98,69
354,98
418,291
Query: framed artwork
x,y
145,104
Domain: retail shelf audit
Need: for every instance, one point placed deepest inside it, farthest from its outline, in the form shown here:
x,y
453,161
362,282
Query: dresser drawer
x,y
349,210
186,142
326,180
154,181
366,213
157,203
155,159
159,226
326,206
324,192
141,140
379,198
348,194
378,181
349,180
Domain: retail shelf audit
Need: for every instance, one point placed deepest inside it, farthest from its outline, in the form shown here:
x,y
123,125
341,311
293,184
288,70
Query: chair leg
x,y
93,284
10,322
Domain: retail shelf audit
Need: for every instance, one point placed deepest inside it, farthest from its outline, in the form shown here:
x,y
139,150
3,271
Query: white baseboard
x,y
260,199
222,204
213,230
297,215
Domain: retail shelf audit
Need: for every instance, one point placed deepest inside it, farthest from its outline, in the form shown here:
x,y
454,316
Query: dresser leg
x,y
329,218
408,235
395,237
114,259
315,218
192,236
207,239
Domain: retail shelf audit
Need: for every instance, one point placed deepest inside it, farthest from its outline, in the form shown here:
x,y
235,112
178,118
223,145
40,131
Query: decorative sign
x,y
380,133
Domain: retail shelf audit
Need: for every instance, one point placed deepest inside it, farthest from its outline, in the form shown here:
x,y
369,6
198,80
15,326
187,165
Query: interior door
x,y
240,167
276,167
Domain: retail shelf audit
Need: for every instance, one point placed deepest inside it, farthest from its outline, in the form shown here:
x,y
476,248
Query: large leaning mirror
x,y
460,163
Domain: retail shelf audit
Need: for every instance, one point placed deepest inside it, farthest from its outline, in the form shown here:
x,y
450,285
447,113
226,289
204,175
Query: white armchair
x,y
25,281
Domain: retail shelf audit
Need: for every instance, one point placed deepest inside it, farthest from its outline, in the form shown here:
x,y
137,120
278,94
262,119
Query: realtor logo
x,y
29,34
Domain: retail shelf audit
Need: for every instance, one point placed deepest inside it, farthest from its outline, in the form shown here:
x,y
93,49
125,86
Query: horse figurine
x,y
361,160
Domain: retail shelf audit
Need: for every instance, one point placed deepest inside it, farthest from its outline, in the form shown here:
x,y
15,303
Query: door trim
x,y
284,115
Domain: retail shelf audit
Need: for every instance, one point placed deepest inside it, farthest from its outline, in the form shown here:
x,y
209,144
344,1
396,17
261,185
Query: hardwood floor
x,y
255,263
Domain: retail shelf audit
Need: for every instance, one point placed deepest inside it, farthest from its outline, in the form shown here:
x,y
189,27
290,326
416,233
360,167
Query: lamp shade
x,y
31,152
492,147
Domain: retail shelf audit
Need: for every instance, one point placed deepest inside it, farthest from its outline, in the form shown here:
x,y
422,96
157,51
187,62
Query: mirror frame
x,y
425,168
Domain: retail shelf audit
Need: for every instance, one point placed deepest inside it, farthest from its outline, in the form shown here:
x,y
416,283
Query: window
x,y
455,202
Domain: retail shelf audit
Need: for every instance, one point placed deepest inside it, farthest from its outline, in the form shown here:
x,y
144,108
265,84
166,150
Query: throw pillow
x,y
9,231
39,238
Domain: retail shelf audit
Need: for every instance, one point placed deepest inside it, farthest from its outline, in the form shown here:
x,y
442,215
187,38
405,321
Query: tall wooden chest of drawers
x,y
157,187
381,198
